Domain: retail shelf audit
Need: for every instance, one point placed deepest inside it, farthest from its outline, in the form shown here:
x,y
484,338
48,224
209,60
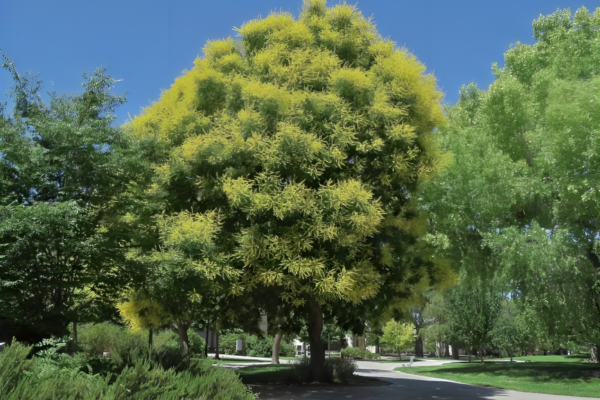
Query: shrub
x,y
302,370
355,352
340,369
171,339
94,339
42,378
227,342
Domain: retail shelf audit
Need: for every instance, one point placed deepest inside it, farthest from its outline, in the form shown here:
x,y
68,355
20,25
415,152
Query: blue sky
x,y
149,43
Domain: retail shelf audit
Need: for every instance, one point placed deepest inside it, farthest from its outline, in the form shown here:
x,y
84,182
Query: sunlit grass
x,y
561,375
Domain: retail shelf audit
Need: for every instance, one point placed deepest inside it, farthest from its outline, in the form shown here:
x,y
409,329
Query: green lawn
x,y
561,359
272,373
561,375
232,360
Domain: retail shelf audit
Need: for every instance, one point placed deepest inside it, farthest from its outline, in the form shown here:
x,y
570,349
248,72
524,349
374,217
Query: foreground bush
x,y
339,370
355,352
46,377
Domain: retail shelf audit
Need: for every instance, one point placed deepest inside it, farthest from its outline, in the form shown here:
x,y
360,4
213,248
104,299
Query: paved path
x,y
403,387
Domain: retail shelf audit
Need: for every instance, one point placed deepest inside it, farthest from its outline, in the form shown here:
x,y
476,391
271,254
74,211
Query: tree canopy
x,y
520,201
293,158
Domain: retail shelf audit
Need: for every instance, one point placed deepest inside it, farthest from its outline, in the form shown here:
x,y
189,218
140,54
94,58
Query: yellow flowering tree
x,y
300,149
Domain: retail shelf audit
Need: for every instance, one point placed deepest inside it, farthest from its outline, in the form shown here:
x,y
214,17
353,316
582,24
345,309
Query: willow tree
x,y
305,142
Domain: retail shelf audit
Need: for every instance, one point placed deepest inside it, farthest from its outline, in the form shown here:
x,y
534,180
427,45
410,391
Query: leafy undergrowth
x,y
570,377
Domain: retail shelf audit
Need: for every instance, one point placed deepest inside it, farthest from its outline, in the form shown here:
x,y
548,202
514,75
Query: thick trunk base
x,y
318,373
276,348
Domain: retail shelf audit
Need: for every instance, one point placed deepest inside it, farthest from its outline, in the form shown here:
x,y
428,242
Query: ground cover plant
x,y
562,376
53,375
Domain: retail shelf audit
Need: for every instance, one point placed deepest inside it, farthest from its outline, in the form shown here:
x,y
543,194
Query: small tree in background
x,y
512,328
472,310
398,336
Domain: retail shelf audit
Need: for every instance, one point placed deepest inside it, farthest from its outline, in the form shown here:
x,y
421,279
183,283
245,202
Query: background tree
x,y
437,329
513,327
520,201
60,164
472,312
398,336
305,141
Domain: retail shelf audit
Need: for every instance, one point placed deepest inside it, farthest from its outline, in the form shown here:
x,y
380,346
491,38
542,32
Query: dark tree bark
x,y
75,333
419,345
276,348
150,338
217,347
455,354
206,343
317,353
446,350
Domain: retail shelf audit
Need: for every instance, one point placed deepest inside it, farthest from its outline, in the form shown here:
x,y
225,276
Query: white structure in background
x,y
212,336
302,348
2,346
360,342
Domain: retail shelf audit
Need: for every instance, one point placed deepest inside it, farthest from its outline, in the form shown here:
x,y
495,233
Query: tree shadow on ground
x,y
402,386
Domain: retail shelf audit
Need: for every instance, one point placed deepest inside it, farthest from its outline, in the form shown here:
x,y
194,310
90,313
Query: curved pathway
x,y
404,386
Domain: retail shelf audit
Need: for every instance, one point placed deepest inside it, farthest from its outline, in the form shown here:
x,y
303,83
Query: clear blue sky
x,y
148,43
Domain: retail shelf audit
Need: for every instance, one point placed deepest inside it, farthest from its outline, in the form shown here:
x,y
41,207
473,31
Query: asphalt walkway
x,y
403,386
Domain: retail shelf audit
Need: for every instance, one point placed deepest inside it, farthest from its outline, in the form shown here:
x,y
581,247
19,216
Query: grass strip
x,y
569,378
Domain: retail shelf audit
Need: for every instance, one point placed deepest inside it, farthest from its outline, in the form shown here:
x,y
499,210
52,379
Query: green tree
x,y
304,143
60,163
436,316
512,330
521,201
472,312
398,336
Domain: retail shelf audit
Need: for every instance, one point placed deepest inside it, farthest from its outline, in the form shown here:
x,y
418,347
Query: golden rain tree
x,y
305,143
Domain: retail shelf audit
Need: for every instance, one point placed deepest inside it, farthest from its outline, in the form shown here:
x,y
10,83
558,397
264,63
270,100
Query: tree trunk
x,y
455,354
181,329
150,338
469,354
377,345
75,334
419,345
217,347
446,350
206,343
276,348
317,353
481,354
